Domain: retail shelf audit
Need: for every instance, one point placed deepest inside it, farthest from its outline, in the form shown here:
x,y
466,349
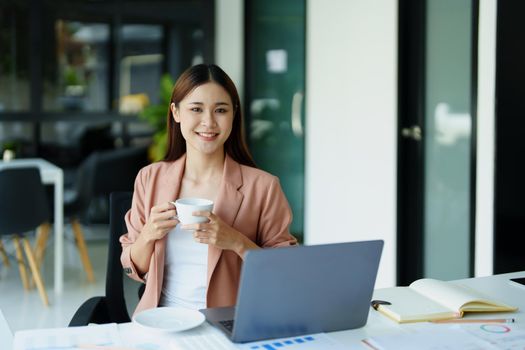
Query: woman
x,y
198,265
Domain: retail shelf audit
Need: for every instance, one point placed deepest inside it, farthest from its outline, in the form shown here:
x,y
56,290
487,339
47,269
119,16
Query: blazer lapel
x,y
170,188
227,205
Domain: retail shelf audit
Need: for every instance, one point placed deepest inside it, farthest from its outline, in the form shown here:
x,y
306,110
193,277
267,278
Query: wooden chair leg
x,y
21,263
5,259
42,236
41,242
82,249
36,273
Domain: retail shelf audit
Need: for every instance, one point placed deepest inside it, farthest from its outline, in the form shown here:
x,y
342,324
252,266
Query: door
x,y
275,88
509,187
436,182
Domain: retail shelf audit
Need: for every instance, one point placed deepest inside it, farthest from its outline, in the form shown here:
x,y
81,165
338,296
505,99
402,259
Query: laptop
x,y
290,291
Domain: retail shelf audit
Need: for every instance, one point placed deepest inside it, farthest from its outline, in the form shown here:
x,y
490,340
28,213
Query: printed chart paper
x,y
72,338
306,342
489,336
208,337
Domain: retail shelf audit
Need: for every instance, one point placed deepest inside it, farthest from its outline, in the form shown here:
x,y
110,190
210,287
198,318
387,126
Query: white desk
x,y
494,286
50,174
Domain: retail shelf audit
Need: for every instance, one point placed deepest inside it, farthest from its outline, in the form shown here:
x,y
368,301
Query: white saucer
x,y
169,319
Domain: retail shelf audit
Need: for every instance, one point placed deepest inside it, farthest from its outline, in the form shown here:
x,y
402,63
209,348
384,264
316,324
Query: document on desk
x,y
207,337
490,336
73,338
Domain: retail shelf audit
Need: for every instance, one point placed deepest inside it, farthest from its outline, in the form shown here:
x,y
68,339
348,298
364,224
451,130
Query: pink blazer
x,y
250,200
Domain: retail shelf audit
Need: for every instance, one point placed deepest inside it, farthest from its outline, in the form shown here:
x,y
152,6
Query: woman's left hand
x,y
219,234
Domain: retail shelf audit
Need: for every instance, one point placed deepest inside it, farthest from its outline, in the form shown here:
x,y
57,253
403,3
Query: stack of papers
x,y
89,337
490,336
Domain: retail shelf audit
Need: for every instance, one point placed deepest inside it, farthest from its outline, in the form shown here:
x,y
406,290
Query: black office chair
x,y
115,172
117,169
23,207
111,307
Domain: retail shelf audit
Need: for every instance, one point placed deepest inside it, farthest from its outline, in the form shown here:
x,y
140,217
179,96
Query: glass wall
x,y
448,120
14,57
77,78
275,90
140,66
71,68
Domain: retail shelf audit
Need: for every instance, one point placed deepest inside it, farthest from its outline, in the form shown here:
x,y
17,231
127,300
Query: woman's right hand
x,y
161,220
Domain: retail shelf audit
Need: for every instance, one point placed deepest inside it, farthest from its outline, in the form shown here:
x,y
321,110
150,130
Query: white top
x,y
185,271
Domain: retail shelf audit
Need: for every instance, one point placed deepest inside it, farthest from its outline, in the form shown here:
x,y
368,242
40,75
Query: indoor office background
x,y
379,117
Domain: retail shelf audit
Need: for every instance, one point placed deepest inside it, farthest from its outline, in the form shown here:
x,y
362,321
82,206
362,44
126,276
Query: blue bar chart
x,y
313,341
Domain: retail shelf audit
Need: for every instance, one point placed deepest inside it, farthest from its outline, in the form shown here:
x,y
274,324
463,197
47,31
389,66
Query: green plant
x,y
71,76
155,115
12,145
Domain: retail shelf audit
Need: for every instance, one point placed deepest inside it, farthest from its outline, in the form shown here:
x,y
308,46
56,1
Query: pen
x,y
477,320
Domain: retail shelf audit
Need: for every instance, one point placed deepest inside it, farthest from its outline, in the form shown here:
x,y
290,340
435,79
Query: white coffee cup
x,y
186,206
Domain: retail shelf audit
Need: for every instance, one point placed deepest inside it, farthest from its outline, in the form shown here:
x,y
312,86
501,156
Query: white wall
x,y
351,121
229,39
484,257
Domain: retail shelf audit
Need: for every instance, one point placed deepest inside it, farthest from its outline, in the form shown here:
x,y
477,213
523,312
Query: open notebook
x,y
430,299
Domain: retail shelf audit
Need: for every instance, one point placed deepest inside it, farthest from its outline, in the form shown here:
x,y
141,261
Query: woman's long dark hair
x,y
235,146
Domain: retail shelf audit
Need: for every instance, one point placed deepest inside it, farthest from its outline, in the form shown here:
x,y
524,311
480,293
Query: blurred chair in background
x,y
99,174
3,253
23,208
78,203
117,169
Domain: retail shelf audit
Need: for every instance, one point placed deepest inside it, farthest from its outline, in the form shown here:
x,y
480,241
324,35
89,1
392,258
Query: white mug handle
x,y
176,217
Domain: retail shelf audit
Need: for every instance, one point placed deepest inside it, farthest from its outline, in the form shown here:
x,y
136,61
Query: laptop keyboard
x,y
228,324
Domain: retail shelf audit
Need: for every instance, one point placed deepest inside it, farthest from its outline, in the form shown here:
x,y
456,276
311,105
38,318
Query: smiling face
x,y
205,116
